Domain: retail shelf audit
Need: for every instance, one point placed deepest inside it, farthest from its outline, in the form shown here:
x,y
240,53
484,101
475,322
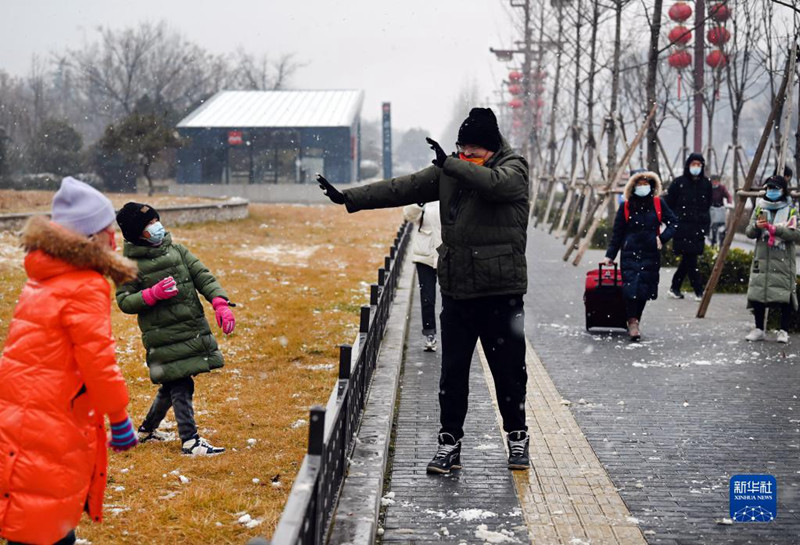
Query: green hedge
x,y
735,272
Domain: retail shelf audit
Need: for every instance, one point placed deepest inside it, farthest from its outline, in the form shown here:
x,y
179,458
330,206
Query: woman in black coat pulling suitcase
x,y
639,237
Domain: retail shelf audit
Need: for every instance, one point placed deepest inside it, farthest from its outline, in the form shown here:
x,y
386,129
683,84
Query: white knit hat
x,y
82,208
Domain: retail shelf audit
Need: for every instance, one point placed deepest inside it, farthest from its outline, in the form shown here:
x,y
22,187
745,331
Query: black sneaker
x,y
146,436
430,343
675,294
518,442
448,455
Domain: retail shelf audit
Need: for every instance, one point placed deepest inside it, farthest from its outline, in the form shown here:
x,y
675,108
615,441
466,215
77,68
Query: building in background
x,y
272,137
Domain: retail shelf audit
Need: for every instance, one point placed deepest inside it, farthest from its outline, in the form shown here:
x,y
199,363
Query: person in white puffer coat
x,y
427,238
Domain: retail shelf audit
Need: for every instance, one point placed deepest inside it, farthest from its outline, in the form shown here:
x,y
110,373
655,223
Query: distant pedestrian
x,y
482,271
427,238
720,201
175,332
59,374
689,197
773,274
637,235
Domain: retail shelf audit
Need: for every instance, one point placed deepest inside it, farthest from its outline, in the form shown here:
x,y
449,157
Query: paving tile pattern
x,y
673,418
428,508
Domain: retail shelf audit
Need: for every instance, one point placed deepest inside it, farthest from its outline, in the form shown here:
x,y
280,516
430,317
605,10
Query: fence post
x,y
374,292
316,430
345,355
381,277
364,326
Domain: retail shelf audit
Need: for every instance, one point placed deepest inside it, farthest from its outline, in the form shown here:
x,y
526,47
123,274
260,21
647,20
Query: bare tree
x,y
261,73
742,70
652,72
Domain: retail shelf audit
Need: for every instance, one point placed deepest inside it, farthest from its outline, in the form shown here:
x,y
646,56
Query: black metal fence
x,y
306,517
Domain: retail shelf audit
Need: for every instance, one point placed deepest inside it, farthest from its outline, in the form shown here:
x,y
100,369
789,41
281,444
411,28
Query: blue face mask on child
x,y
642,190
695,171
157,233
774,194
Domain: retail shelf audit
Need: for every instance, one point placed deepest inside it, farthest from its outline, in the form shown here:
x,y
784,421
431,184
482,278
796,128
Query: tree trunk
x,y
611,121
556,83
576,91
146,172
590,141
652,72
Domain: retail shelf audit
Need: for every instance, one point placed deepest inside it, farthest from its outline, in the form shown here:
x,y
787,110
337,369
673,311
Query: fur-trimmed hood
x,y
75,249
655,183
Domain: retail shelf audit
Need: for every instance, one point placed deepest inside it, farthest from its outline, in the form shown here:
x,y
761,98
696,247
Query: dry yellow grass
x,y
12,201
299,275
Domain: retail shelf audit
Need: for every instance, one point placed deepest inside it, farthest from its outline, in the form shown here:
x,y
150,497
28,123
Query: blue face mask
x,y
642,190
695,171
157,233
774,194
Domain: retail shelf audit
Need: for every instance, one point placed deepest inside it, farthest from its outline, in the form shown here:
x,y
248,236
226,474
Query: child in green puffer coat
x,y
175,332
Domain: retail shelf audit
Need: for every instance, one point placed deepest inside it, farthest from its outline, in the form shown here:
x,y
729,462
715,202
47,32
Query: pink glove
x,y
164,289
225,318
771,230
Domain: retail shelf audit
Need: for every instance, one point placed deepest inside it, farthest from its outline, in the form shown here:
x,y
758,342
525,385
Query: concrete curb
x,y
227,210
356,518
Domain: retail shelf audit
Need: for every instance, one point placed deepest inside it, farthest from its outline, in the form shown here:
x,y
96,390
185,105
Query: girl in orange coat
x,y
58,373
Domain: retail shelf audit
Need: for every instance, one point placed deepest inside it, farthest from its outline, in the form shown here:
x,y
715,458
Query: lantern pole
x,y
699,53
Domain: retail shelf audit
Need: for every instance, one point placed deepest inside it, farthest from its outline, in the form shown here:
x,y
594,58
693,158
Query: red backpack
x,y
656,203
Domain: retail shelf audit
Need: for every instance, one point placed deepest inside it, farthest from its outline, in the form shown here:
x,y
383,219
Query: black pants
x,y
68,539
178,395
688,266
499,322
760,311
427,290
634,308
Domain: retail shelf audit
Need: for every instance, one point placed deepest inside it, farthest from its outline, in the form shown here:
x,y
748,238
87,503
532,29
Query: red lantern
x,y
716,59
679,59
515,76
718,36
680,11
517,123
539,89
538,103
515,103
540,75
680,35
515,89
719,12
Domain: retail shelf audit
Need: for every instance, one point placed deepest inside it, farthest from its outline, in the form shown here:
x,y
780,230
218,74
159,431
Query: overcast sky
x,y
416,54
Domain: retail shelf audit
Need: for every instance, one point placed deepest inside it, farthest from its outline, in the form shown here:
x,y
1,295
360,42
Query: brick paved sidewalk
x,y
672,418
472,505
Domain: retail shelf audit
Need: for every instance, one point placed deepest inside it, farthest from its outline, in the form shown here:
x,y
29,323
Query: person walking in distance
x,y
427,238
482,270
689,196
638,237
720,200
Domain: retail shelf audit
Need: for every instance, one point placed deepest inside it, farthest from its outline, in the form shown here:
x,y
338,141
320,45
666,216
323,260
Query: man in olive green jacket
x,y
482,271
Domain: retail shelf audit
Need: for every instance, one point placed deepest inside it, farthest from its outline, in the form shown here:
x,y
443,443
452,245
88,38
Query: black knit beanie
x,y
133,218
480,129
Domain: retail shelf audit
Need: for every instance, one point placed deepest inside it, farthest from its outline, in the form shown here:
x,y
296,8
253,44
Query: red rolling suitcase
x,y
605,306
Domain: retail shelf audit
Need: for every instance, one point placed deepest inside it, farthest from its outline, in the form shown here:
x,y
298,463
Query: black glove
x,y
331,192
440,154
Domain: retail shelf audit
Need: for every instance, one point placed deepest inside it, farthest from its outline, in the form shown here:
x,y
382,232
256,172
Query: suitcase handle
x,y
600,273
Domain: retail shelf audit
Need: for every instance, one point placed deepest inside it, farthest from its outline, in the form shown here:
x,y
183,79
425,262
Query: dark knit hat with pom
x,y
480,129
133,218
